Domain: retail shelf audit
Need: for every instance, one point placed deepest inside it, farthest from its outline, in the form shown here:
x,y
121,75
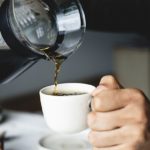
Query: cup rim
x,y
61,84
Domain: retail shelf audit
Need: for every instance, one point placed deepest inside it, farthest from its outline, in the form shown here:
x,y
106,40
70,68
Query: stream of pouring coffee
x,y
58,59
58,63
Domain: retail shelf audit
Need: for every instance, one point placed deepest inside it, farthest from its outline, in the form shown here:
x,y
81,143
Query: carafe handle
x,y
13,65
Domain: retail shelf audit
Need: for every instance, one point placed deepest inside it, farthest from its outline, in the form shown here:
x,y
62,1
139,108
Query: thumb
x,y
110,82
107,82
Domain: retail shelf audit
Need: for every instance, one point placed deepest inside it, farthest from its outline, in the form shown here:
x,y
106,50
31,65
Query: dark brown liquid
x,y
58,64
67,94
58,59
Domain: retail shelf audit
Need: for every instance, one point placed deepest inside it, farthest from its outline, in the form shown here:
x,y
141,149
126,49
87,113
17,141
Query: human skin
x,y
120,117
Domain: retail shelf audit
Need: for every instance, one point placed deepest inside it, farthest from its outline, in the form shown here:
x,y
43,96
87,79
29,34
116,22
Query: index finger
x,y
110,100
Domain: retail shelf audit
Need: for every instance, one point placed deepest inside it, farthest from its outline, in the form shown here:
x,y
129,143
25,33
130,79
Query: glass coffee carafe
x,y
35,29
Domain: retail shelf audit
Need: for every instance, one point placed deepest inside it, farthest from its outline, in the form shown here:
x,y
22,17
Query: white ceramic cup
x,y
66,114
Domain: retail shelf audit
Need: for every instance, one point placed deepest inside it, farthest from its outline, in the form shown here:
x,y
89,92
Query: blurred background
x,y
123,54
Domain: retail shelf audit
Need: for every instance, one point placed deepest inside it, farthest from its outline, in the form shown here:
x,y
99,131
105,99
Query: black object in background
x,y
118,15
11,65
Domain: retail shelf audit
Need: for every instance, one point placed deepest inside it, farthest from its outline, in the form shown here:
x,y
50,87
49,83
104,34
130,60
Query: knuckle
x,y
141,117
133,146
135,135
141,140
138,96
145,121
136,146
138,106
91,119
97,103
92,138
135,95
140,135
95,139
128,94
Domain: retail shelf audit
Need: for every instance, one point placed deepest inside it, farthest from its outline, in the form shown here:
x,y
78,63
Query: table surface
x,y
23,130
